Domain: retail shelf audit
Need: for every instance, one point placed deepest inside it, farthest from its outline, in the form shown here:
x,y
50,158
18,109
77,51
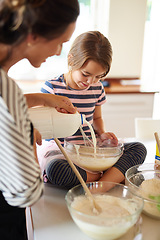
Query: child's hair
x,y
91,45
46,18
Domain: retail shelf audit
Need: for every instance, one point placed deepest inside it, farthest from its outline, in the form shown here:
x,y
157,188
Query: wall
x,y
126,33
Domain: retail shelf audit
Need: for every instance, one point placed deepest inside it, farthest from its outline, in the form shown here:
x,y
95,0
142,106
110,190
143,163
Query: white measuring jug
x,y
53,124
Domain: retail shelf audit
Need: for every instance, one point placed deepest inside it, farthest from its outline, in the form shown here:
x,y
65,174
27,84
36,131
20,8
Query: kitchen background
x,y
133,28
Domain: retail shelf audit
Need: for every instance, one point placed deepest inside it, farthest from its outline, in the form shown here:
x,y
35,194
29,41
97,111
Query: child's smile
x,y
89,74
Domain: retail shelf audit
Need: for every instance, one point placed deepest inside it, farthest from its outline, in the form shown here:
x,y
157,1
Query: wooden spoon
x,y
96,207
157,140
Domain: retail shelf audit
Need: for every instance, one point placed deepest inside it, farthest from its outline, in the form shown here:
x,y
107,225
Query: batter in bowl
x,y
115,219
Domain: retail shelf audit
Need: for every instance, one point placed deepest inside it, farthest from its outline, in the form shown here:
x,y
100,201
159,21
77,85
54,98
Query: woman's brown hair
x,y
46,18
91,45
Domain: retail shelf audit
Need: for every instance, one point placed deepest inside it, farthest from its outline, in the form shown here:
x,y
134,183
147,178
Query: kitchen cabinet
x,y
120,111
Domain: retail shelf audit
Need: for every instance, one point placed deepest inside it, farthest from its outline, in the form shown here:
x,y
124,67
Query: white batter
x,y
92,158
150,187
111,223
86,158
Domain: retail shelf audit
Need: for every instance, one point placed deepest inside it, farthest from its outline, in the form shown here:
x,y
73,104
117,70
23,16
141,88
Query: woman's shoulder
x,y
9,87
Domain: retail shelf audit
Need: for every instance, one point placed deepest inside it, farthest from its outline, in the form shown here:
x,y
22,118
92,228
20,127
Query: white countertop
x,y
51,218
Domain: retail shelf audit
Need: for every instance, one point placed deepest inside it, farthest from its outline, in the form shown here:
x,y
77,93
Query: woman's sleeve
x,y
20,176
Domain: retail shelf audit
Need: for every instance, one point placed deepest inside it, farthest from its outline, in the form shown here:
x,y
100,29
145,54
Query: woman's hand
x,y
64,105
38,140
61,103
37,137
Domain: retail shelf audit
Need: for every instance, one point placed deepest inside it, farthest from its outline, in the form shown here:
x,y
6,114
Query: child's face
x,y
89,74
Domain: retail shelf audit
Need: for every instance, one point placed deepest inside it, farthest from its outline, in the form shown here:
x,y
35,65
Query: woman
x,y
34,30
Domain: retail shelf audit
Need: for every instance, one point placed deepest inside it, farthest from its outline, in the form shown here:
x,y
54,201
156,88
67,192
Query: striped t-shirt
x,y
85,100
20,176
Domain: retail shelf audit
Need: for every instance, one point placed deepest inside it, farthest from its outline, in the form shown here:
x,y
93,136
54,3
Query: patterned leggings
x,y
59,172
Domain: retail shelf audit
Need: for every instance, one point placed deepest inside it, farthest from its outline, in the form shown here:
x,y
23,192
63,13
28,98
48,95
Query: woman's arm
x,y
61,103
21,181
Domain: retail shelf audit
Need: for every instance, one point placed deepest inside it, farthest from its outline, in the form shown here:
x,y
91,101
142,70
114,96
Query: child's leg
x,y
92,177
134,154
59,173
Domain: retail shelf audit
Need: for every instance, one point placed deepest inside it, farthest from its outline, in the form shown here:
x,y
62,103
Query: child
x,y
89,61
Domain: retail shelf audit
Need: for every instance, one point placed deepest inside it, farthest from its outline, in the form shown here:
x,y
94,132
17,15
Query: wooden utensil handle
x,y
97,208
74,168
157,141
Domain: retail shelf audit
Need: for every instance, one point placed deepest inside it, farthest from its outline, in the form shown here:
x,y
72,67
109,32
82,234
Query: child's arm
x,y
113,174
99,127
62,104
98,123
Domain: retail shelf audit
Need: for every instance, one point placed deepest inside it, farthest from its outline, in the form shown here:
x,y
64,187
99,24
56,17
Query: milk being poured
x,y
93,135
54,124
88,156
93,141
50,123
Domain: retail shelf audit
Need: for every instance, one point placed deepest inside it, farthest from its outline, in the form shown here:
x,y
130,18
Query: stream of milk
x,y
89,156
91,142
93,136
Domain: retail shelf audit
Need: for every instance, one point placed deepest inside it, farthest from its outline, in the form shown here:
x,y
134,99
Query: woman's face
x,y
89,74
40,49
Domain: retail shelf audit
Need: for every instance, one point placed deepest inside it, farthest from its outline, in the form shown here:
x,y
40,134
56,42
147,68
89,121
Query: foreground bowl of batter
x,y
120,209
93,159
144,181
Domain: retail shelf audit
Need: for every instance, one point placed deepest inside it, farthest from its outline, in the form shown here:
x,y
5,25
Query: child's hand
x,y
108,138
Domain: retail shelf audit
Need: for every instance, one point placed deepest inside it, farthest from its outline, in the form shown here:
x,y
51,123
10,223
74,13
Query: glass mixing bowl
x,y
120,210
144,181
91,159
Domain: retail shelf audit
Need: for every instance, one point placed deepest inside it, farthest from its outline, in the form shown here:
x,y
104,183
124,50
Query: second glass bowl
x,y
144,181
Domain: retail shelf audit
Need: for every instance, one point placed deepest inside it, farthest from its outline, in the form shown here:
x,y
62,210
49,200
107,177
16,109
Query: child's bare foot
x,y
92,177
